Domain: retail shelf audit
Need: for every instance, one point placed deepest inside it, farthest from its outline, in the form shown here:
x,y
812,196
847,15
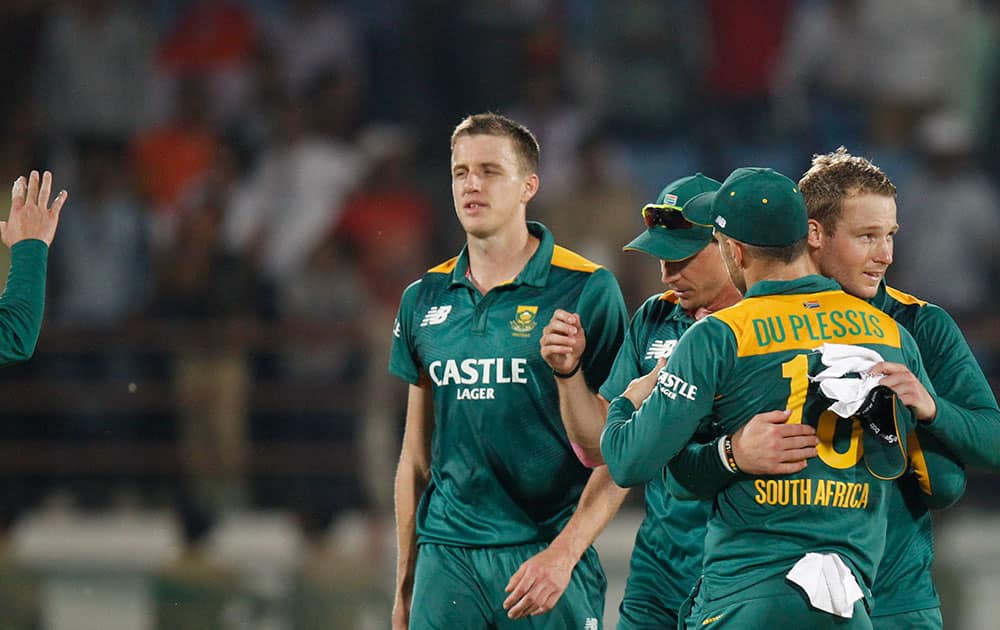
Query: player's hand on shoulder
x,y
640,388
538,583
908,388
563,341
767,445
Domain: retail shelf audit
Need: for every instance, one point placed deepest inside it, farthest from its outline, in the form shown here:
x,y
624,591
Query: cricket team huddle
x,y
791,417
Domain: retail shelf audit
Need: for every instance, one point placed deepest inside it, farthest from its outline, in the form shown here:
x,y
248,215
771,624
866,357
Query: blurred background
x,y
207,434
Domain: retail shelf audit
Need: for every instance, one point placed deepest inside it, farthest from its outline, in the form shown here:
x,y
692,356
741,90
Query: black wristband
x,y
568,374
727,447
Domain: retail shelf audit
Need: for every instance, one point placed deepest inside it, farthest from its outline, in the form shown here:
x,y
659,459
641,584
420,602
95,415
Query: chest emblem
x,y
661,349
436,315
524,320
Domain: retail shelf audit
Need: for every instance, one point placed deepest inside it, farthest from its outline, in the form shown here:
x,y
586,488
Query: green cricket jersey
x,y
753,357
967,422
672,535
23,301
502,468
903,580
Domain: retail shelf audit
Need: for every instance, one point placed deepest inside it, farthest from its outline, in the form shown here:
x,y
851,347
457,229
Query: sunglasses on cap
x,y
668,217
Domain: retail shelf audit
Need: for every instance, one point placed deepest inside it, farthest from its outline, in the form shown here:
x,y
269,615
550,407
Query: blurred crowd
x,y
252,184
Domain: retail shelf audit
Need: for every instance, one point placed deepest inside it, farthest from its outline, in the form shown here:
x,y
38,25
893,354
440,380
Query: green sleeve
x,y
602,311
940,476
637,444
23,301
968,419
627,365
697,472
403,361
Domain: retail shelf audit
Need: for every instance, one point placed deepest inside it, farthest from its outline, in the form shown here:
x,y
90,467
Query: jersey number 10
x,y
797,371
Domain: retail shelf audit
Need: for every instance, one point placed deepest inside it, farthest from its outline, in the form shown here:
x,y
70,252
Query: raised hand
x,y
30,213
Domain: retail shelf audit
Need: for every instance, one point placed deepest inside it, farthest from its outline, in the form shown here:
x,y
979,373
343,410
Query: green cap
x,y
757,206
673,244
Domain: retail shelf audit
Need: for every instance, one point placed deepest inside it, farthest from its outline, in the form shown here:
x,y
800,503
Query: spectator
x,y
173,159
949,212
295,195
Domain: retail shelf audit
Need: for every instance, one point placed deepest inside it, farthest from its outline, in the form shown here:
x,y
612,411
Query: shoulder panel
x,y
562,257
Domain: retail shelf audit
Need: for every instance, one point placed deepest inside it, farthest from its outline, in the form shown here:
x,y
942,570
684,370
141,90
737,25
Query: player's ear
x,y
530,188
737,252
815,234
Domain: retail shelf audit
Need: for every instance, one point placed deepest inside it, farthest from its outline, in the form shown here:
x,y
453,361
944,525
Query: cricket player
x,y
28,232
798,550
495,514
852,226
667,554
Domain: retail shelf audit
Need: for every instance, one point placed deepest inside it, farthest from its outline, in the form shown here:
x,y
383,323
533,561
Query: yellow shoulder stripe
x,y
904,298
562,257
775,323
446,267
669,296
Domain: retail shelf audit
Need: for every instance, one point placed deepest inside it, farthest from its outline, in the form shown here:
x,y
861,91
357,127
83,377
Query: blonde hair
x,y
836,176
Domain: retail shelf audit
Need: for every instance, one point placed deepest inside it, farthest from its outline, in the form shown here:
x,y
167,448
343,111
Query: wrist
x,y
726,454
930,414
556,373
567,551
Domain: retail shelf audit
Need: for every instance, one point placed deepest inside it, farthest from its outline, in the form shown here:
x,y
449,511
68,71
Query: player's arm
x,y
541,580
412,476
583,412
644,433
28,232
763,446
586,343
967,419
939,474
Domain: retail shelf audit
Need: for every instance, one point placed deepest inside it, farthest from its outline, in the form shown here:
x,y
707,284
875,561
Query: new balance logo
x,y
660,348
396,329
436,315
590,623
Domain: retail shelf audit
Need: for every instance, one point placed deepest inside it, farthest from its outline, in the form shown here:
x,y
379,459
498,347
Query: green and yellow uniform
x,y
504,479
753,357
23,301
666,557
967,423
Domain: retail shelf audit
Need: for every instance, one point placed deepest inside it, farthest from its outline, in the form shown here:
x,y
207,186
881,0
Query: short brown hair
x,y
836,176
490,124
786,254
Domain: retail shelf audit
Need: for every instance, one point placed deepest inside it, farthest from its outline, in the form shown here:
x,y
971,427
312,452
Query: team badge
x,y
524,320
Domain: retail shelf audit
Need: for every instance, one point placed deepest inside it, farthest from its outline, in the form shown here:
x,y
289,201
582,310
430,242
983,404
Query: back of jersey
x,y
763,525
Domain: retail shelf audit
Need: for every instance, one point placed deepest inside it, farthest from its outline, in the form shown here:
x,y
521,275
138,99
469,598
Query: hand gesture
x,y
30,214
767,446
563,341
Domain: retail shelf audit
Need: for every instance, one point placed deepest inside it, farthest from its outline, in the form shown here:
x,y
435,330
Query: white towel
x,y
827,582
847,393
